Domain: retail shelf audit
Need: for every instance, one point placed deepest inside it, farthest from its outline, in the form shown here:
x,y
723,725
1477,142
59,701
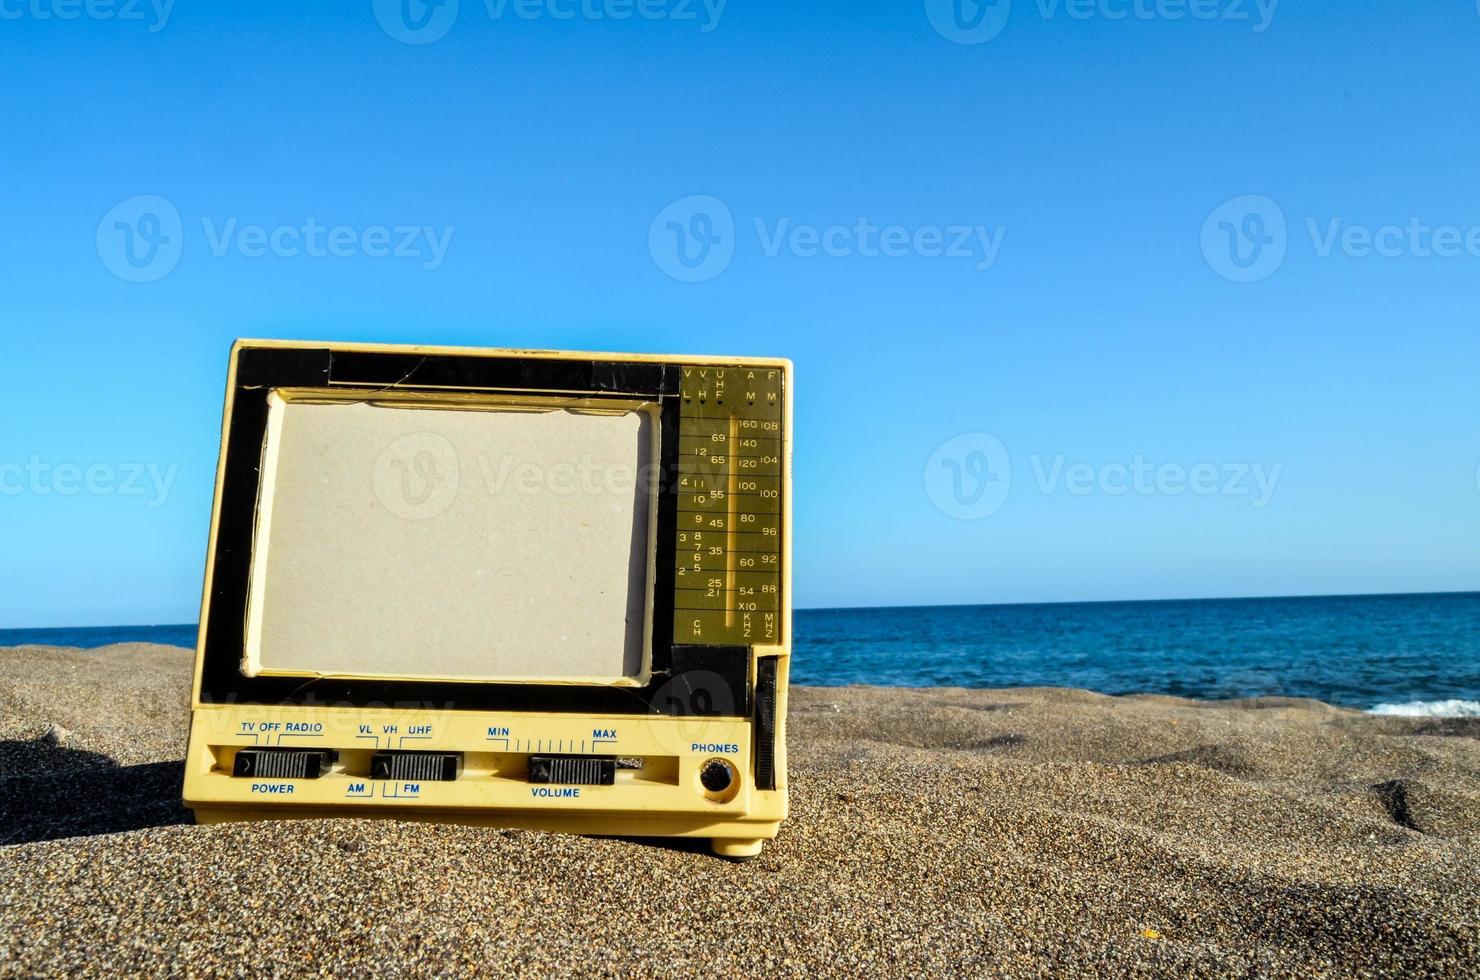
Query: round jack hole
x,y
719,778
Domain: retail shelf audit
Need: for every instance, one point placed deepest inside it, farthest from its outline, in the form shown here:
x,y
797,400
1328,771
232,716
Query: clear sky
x,y
1112,300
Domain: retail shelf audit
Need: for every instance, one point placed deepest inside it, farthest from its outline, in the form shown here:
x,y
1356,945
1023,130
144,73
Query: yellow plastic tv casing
x,y
717,533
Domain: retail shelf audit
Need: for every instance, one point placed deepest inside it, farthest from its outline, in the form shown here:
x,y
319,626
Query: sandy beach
x,y
1019,832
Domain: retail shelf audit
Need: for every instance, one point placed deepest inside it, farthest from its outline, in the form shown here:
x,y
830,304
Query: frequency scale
x,y
729,506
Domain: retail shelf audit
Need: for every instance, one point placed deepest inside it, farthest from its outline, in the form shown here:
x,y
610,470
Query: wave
x,y
1452,708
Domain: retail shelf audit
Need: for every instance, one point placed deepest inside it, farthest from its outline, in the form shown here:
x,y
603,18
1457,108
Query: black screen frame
x,y
685,680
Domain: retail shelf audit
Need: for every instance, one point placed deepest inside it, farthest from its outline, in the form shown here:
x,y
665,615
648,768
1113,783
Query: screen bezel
x,y
279,399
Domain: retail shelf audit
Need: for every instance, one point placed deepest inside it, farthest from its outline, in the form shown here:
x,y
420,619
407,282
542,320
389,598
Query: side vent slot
x,y
765,723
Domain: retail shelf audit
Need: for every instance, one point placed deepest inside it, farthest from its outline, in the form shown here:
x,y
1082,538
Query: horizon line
x,y
945,605
1126,602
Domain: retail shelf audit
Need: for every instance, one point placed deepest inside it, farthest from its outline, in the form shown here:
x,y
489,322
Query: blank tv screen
x,y
463,541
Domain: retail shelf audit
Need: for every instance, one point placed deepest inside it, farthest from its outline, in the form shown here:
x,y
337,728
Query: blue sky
x,y
1124,243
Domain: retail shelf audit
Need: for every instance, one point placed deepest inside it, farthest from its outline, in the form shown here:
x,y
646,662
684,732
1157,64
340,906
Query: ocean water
x,y
91,637
1400,654
1404,654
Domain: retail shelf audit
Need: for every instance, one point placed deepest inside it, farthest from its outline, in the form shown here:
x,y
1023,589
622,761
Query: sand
x,y
1018,832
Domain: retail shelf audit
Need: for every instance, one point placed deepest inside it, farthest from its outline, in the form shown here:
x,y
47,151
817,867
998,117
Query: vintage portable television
x,y
515,588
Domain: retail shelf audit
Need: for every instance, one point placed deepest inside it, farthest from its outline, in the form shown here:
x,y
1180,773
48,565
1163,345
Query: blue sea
x,y
1399,654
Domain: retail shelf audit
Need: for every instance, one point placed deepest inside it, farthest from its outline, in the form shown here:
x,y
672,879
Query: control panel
x,y
318,757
